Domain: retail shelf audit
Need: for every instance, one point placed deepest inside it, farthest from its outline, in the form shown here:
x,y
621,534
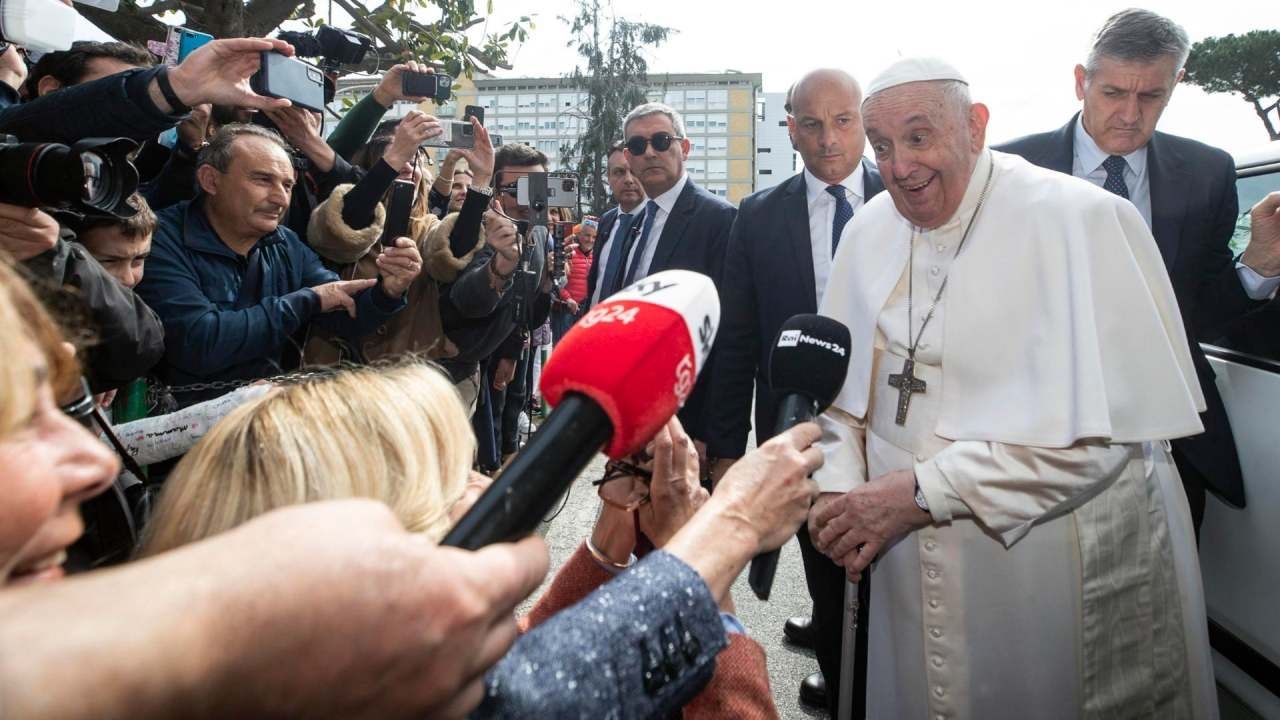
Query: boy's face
x,y
121,256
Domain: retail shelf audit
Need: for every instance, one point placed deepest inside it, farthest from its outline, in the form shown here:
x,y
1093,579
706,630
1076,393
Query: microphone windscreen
x,y
638,353
810,357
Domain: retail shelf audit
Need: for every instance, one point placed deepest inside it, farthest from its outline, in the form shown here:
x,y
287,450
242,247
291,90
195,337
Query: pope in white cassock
x,y
1017,368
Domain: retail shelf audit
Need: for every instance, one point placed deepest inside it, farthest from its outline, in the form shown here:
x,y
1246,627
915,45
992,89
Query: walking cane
x,y
853,649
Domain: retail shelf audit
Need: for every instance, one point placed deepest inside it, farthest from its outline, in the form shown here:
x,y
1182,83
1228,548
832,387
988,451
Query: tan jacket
x,y
416,328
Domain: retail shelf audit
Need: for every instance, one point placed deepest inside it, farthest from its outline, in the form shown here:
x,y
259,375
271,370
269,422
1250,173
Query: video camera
x,y
94,176
333,46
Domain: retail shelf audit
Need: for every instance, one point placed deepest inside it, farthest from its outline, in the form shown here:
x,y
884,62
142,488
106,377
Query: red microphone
x,y
616,377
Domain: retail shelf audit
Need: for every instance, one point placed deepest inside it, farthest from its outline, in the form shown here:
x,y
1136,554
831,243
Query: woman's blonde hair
x,y
395,433
23,319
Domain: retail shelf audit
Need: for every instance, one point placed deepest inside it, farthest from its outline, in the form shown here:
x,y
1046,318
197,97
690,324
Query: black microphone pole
x,y
529,486
793,409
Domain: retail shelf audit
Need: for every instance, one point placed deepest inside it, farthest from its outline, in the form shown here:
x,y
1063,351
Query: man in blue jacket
x,y
232,285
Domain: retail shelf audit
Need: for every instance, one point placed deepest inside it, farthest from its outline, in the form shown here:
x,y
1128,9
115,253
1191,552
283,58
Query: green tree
x,y
395,25
1247,64
614,80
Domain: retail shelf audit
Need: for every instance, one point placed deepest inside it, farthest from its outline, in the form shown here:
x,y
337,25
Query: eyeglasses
x,y
624,485
661,142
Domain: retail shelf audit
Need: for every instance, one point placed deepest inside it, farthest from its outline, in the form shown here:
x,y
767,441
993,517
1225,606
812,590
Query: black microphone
x,y
807,366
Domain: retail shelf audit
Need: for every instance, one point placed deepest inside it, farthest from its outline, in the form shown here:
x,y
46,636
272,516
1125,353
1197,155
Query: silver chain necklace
x,y
906,382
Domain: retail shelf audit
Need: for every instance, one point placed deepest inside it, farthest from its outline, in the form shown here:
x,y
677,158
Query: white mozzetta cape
x,y
1061,322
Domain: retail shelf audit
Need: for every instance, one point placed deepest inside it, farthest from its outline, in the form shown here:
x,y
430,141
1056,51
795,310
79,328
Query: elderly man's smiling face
x,y
926,140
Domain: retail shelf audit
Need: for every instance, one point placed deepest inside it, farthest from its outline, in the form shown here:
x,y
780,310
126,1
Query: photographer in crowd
x,y
450,187
504,291
233,286
345,230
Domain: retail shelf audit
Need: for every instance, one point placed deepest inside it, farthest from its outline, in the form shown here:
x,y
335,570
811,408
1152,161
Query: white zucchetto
x,y
909,70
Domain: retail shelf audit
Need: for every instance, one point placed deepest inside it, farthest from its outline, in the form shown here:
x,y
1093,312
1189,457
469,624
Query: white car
x,y
1240,547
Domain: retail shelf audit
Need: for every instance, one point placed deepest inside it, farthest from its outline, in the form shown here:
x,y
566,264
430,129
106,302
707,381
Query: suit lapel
x,y
602,233
1060,152
872,183
674,228
795,216
1167,176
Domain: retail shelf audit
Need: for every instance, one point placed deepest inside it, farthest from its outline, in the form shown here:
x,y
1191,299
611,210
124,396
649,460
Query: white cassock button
x,y
939,716
933,603
931,546
941,247
933,574
935,270
935,632
939,691
937,661
920,458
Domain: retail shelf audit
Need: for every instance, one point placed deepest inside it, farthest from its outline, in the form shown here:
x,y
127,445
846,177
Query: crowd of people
x,y
241,409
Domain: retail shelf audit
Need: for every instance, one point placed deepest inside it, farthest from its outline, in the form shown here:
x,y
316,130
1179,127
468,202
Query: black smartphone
x,y
298,81
473,111
398,207
436,86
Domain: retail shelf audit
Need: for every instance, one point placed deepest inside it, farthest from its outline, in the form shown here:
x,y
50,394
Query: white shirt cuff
x,y
1256,286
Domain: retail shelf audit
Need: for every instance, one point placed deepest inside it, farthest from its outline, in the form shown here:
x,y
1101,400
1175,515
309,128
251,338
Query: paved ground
x,y
787,666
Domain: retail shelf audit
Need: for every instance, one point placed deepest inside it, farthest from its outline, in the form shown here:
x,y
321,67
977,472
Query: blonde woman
x,y
397,434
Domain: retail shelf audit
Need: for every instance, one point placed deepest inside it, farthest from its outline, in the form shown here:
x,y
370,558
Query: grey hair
x,y
218,152
955,94
1136,35
656,108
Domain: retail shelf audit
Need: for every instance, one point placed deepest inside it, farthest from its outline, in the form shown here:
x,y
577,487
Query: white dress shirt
x,y
607,248
822,214
1087,164
666,202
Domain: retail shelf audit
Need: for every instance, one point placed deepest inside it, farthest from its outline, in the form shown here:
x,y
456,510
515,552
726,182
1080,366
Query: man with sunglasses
x,y
777,265
682,226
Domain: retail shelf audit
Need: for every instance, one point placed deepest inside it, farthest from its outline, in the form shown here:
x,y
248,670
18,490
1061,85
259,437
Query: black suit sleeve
x,y
696,412
1220,297
737,347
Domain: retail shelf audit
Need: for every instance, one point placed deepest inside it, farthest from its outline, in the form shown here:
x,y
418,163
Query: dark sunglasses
x,y
661,142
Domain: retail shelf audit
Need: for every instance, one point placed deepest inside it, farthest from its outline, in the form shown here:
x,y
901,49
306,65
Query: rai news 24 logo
x,y
795,338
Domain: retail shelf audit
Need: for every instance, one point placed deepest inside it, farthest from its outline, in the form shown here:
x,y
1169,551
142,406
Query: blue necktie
x,y
1115,165
844,213
650,212
609,282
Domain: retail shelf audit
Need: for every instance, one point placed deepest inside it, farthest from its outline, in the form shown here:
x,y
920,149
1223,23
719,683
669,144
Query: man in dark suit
x,y
777,265
682,226
614,223
1186,192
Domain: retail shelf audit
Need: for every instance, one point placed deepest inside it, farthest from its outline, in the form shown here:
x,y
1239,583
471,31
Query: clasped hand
x,y
852,527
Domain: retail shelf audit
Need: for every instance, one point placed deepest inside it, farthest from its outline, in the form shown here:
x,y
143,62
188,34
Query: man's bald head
x,y
825,123
819,83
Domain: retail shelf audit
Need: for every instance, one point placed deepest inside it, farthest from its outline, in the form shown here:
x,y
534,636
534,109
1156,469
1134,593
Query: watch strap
x,y
171,97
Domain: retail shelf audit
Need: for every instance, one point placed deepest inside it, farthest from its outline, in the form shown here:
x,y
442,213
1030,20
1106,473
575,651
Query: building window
x,y
717,123
695,99
766,171
764,150
696,170
506,103
717,146
525,103
675,98
717,169
782,123
547,102
718,189
549,147
697,146
695,123
488,102
717,99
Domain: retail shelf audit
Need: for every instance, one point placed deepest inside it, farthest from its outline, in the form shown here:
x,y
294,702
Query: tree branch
x,y
263,16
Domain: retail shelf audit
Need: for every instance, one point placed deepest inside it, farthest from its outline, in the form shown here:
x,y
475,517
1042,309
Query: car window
x,y
1258,333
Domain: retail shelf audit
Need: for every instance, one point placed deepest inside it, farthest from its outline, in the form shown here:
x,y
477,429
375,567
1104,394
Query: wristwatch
x,y
920,501
486,190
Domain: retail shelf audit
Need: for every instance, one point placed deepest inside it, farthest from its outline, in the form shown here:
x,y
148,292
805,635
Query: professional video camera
x,y
93,176
333,46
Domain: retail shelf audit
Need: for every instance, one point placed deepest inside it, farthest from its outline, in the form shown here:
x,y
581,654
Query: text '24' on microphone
x,y
615,379
807,366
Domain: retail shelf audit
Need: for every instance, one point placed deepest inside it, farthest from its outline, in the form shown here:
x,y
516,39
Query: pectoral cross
x,y
906,383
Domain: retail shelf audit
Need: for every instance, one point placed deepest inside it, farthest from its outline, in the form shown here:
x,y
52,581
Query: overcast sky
x,y
1018,56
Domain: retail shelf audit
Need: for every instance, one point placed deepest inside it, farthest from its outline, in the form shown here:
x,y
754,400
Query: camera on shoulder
x,y
94,176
